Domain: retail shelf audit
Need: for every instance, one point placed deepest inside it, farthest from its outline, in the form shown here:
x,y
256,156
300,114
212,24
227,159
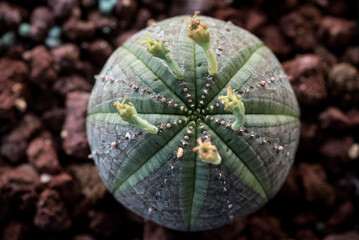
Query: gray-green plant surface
x,y
145,172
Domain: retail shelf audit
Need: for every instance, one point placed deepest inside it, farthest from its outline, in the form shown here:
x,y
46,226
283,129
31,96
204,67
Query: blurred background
x,y
51,49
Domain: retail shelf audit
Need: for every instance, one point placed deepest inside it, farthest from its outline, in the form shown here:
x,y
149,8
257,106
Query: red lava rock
x,y
256,19
153,231
304,218
336,32
182,7
83,237
343,83
337,148
89,181
65,85
334,119
273,39
290,190
316,188
123,37
306,234
54,119
15,231
41,65
102,223
266,228
310,135
66,57
41,21
51,214
104,23
99,51
353,116
14,145
297,28
9,15
42,154
328,59
342,217
234,15
132,217
227,232
66,186
351,235
62,8
12,72
20,186
351,55
142,17
307,78
73,131
125,11
78,30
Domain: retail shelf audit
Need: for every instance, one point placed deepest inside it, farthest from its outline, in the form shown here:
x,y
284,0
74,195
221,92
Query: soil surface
x,y
49,189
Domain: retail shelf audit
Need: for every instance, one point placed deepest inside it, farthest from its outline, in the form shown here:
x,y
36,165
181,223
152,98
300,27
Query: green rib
x,y
150,148
230,69
142,106
156,68
151,164
260,106
234,157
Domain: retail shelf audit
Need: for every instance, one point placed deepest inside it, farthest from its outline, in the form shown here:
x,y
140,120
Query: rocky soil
x,y
49,53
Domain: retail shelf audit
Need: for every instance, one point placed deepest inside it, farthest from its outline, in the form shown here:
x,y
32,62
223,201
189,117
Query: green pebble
x,y
24,29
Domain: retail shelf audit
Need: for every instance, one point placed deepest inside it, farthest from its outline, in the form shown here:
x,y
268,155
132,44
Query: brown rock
x,y
78,30
9,15
102,223
306,234
153,231
13,73
328,59
42,154
290,190
266,228
41,65
120,39
351,235
66,57
99,51
74,129
227,232
83,237
342,217
255,20
20,186
316,188
65,85
51,214
143,15
15,231
62,8
334,119
310,136
125,11
296,27
66,186
353,116
234,15
343,83
351,55
54,119
273,39
41,21
89,181
336,32
103,23
14,145
307,78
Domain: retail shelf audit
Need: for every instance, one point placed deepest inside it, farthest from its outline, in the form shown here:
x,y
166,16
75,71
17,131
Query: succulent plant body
x,y
212,83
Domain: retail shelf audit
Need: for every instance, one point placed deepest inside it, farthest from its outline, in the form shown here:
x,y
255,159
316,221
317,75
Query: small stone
x,y
353,152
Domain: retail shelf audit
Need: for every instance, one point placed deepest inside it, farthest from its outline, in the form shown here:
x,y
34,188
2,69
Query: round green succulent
x,y
194,128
